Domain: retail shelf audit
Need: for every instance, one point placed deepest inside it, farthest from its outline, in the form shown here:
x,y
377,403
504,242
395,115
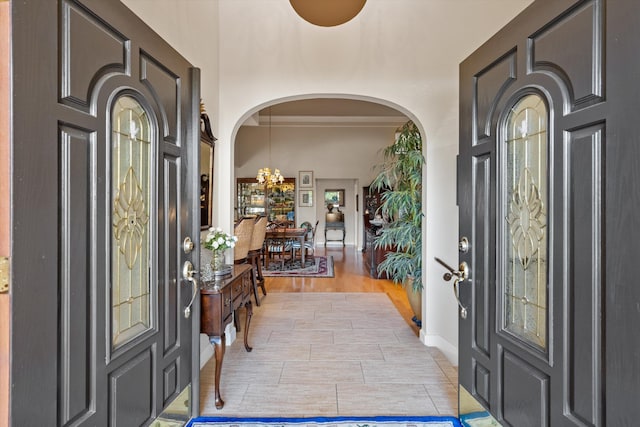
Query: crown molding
x,y
330,121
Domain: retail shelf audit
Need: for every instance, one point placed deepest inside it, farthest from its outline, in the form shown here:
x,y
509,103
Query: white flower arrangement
x,y
218,240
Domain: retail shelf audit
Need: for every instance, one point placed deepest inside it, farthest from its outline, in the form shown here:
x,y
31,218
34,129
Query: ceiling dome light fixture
x,y
327,13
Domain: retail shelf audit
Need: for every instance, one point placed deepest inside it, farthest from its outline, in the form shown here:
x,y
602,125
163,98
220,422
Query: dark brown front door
x,y
549,201
105,140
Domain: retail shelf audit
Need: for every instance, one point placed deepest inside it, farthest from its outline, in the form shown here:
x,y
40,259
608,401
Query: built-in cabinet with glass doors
x,y
277,202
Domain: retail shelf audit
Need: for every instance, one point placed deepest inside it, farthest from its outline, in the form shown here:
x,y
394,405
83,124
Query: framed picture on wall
x,y
305,179
306,198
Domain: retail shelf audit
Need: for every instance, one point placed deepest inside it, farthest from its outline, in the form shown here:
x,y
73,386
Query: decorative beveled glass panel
x,y
130,239
525,229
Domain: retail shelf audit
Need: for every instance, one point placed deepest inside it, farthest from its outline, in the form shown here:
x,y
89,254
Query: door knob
x,y
188,272
461,274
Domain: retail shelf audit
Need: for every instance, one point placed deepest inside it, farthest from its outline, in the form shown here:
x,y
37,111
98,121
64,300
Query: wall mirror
x,y
334,197
207,143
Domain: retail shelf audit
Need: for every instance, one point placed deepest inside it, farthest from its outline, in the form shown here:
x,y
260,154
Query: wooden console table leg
x,y
254,284
260,276
249,313
219,348
235,320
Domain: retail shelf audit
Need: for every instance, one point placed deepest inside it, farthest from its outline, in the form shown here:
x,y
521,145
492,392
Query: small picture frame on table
x,y
306,198
305,179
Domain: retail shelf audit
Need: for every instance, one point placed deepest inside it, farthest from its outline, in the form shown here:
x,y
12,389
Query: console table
x,y
219,300
334,221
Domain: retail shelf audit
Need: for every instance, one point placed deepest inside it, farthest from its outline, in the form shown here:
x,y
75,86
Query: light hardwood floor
x,y
341,346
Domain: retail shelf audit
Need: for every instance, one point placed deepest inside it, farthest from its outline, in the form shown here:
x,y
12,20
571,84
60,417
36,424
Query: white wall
x,y
346,154
190,27
402,53
352,223
330,152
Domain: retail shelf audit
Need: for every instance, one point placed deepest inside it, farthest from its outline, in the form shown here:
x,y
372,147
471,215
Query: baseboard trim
x,y
450,351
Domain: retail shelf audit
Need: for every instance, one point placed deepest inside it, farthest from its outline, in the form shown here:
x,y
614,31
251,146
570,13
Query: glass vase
x,y
217,261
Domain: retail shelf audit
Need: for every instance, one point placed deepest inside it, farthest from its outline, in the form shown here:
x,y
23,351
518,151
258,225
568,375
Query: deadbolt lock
x,y
463,245
187,245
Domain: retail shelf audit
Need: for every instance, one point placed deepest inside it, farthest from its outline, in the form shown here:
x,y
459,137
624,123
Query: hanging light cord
x,y
264,175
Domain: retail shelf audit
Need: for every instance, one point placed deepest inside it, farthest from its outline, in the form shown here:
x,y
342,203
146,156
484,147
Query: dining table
x,y
285,234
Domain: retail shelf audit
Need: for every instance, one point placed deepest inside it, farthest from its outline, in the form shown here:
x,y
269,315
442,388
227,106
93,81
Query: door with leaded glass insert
x,y
548,193
105,141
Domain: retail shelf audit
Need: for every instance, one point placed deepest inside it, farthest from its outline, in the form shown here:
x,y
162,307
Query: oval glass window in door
x,y
524,260
131,226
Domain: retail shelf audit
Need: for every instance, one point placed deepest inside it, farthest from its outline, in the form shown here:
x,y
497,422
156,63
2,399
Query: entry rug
x,y
399,421
316,266
478,419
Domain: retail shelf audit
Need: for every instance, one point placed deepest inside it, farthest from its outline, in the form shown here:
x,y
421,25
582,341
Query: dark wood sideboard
x,y
371,201
372,255
219,300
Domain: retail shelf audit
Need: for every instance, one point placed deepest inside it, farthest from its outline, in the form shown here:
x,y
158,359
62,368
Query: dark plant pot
x,y
415,300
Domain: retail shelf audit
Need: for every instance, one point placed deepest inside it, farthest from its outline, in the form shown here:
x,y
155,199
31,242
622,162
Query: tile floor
x,y
330,354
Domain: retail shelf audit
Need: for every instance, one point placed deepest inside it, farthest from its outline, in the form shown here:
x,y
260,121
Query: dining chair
x,y
310,238
243,230
256,254
278,246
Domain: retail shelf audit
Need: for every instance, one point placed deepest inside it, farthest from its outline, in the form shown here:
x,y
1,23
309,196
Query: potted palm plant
x,y
399,182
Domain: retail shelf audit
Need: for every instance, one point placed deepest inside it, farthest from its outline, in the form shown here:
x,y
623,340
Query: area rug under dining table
x,y
382,421
315,266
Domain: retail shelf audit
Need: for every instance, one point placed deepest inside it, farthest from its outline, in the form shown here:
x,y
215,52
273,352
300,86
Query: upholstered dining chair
x,y
243,230
255,254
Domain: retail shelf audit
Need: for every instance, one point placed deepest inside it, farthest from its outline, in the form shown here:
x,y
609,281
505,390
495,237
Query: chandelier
x,y
264,174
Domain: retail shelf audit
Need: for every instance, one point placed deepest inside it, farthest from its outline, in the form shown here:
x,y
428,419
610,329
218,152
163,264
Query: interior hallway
x,y
327,347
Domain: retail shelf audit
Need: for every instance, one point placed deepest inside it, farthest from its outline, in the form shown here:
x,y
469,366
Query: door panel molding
x,y
568,46
171,310
584,305
482,383
482,288
525,398
490,84
133,377
165,86
77,266
90,51
170,381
